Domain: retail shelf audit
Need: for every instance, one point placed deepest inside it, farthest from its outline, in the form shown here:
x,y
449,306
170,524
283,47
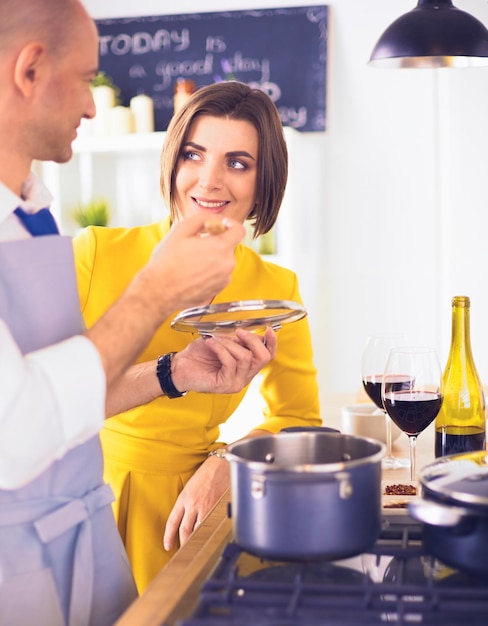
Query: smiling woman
x,y
216,171
225,155
249,114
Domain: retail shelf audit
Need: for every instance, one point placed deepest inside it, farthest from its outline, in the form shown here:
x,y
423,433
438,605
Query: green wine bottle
x,y
460,425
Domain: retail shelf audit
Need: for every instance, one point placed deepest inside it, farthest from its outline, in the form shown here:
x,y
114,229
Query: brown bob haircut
x,y
235,101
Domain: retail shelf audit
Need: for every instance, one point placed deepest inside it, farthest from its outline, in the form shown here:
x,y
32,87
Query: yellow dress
x,y
153,450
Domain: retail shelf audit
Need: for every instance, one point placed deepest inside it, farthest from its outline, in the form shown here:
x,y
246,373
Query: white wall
x,y
392,195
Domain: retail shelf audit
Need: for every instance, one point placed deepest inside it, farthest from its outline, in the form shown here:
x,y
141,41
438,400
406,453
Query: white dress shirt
x,y
50,400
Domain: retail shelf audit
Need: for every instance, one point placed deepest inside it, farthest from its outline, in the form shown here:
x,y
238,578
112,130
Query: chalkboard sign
x,y
281,51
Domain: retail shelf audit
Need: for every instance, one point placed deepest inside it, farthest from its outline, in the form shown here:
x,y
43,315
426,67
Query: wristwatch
x,y
163,372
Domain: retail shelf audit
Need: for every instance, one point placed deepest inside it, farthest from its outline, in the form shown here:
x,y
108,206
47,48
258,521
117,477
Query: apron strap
x,y
77,512
52,524
57,522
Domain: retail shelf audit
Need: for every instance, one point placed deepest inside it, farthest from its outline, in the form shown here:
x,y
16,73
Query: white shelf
x,y
121,169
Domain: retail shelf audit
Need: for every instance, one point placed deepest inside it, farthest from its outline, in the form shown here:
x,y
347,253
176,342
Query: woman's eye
x,y
190,156
237,165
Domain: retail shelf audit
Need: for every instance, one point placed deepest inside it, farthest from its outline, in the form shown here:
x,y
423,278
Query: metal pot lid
x,y
459,478
305,453
247,314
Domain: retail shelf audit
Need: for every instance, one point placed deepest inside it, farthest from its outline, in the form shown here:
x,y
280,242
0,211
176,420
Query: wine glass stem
x,y
413,456
388,435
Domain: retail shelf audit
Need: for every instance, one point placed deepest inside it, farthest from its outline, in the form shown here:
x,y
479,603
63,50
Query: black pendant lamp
x,y
434,34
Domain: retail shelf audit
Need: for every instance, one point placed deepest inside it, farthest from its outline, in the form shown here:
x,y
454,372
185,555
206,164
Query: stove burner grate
x,y
398,584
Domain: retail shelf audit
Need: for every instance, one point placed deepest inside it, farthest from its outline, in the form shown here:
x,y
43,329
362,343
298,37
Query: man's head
x,y
48,57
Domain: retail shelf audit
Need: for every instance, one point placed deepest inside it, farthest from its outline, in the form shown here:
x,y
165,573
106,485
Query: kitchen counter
x,y
174,592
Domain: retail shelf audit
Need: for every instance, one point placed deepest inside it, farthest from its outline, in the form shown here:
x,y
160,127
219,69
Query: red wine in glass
x,y
372,386
373,362
412,411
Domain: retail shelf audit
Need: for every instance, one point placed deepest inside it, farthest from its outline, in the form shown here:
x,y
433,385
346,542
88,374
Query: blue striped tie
x,y
40,223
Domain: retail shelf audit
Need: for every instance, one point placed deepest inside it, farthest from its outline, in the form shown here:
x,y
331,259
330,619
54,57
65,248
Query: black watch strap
x,y
163,371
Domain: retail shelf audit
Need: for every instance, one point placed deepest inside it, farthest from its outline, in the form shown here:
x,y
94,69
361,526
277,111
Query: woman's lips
x,y
210,205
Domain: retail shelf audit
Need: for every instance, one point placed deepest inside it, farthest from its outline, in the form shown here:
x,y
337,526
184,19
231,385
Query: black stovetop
x,y
395,582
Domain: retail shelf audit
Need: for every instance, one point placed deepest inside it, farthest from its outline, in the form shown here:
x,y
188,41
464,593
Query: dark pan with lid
x,y
454,510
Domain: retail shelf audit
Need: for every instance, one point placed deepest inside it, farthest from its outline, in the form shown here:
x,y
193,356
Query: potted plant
x,y
95,213
103,83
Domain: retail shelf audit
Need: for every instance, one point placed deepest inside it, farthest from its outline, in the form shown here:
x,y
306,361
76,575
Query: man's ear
x,y
28,67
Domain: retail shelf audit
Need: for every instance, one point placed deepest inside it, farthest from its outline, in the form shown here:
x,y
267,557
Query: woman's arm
x,y
220,364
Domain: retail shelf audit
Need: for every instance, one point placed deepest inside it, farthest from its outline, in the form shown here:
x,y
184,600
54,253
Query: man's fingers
x,y
201,223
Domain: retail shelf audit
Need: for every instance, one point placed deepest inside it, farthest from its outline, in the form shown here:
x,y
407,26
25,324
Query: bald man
x,y
62,562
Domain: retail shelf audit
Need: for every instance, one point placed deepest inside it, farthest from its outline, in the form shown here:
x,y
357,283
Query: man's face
x,y
65,97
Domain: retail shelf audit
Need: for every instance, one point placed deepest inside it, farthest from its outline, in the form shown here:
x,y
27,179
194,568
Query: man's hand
x,y
188,269
184,270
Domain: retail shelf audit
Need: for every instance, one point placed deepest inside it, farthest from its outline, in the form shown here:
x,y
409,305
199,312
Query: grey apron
x,y
62,562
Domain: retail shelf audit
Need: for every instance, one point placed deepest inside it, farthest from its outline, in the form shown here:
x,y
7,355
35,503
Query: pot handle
x,y
437,514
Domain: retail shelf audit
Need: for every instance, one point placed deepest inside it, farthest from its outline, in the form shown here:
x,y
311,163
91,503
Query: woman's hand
x,y
223,363
199,496
220,364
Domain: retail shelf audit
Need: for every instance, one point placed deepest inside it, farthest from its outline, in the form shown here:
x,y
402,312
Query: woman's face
x,y
217,168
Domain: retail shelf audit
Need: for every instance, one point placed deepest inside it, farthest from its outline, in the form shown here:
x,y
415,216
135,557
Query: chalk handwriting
x,y
271,89
149,54
167,71
215,44
238,63
293,117
142,42
137,71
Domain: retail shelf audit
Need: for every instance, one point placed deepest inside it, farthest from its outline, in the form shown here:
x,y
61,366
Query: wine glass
x,y
411,392
375,356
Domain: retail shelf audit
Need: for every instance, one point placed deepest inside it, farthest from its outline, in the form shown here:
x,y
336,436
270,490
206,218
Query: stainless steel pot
x,y
454,510
306,495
